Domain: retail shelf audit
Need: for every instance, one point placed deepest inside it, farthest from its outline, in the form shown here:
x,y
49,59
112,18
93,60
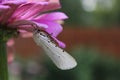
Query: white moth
x,y
61,58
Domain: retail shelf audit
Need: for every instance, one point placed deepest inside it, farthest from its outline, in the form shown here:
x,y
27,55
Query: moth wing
x,y
61,58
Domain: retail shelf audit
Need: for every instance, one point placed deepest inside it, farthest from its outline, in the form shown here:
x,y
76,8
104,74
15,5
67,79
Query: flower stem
x,y
3,62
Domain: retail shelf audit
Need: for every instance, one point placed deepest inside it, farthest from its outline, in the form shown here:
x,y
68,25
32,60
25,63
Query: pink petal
x,y
13,6
27,25
53,4
4,7
22,10
60,43
3,10
28,10
51,1
52,16
13,1
53,27
25,34
34,10
37,0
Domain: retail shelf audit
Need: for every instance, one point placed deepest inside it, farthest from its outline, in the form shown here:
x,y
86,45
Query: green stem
x,y
3,62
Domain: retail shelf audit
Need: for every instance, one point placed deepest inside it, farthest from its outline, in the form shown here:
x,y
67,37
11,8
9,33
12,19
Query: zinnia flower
x,y
21,16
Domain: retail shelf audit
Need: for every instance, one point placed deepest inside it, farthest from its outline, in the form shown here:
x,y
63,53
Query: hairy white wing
x,y
61,58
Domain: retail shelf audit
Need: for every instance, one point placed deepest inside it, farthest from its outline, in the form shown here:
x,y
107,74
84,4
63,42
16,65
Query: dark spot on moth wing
x,y
56,45
40,33
59,56
43,34
48,41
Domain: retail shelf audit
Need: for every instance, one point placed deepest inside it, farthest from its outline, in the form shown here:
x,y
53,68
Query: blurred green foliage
x,y
104,13
92,65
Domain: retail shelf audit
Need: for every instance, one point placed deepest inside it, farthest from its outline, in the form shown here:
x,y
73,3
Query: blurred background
x,y
92,36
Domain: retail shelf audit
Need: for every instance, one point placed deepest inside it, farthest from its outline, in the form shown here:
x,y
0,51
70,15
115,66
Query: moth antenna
x,y
47,35
35,28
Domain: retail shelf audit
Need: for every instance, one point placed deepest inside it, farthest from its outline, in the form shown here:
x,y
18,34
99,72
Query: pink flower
x,y
26,15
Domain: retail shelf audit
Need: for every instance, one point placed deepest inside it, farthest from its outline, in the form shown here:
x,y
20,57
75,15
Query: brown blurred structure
x,y
105,39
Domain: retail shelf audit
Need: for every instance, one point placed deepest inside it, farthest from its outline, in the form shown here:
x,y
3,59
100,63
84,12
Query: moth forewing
x,y
61,58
